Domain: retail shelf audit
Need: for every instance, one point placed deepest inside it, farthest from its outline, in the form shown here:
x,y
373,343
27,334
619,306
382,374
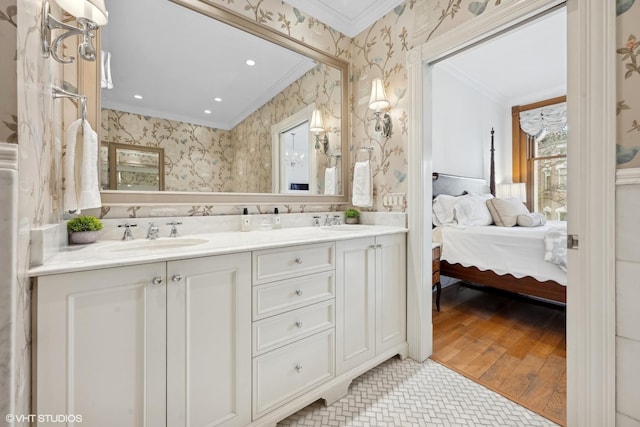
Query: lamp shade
x,y
512,191
378,100
93,10
316,124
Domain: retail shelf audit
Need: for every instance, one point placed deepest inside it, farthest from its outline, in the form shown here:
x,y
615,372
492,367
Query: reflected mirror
x,y
211,96
134,168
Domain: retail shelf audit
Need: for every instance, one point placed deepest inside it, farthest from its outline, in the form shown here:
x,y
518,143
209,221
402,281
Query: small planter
x,y
351,220
82,237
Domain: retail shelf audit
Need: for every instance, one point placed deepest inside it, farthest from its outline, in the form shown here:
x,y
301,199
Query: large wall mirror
x,y
243,113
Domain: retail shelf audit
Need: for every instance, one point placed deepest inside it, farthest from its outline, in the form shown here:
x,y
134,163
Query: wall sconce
x,y
377,102
316,126
90,15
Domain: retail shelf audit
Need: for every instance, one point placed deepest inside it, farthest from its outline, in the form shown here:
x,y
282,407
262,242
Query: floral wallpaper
x,y
251,138
628,83
8,88
196,158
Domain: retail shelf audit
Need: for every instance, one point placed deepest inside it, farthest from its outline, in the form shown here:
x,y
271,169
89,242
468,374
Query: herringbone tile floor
x,y
407,393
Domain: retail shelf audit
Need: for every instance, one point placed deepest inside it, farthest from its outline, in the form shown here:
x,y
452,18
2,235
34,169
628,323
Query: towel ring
x,y
367,150
336,157
61,93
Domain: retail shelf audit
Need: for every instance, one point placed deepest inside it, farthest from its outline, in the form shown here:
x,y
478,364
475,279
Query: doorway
x,y
590,94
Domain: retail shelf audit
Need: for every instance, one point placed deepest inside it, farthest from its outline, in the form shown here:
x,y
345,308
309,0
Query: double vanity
x,y
227,328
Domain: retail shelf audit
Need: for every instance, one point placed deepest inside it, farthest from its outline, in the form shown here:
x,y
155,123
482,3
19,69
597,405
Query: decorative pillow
x,y
443,209
533,219
505,211
472,210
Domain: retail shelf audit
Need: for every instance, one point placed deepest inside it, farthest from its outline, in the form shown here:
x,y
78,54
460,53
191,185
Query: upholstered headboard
x,y
457,185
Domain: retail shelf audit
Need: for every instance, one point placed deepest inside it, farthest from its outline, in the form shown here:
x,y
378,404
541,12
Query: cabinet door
x,y
355,302
209,341
100,343
391,291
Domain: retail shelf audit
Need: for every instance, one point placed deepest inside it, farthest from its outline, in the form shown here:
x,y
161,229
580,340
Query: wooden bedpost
x,y
492,171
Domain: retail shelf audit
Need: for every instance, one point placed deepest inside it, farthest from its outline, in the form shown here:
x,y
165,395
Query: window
x,y
540,155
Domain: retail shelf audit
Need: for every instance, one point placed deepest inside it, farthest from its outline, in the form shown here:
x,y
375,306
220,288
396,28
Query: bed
x,y
507,258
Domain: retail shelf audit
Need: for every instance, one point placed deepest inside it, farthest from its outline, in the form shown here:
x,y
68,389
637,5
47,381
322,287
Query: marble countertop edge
x,y
113,253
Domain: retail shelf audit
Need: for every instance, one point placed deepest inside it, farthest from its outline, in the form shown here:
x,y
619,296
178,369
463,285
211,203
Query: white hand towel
x,y
362,187
107,69
70,196
330,180
103,76
90,189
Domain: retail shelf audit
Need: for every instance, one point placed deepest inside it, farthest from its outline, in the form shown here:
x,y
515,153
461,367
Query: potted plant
x,y
352,216
83,229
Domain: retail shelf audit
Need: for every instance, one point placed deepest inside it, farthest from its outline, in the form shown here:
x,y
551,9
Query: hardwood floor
x,y
510,344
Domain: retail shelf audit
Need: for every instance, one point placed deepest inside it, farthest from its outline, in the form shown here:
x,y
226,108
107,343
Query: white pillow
x,y
443,209
472,210
533,219
505,211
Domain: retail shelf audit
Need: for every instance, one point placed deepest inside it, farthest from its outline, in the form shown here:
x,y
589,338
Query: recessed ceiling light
x,y
207,111
217,99
137,96
251,62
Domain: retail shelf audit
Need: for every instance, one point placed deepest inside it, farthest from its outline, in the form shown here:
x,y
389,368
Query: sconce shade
x,y
93,10
512,191
316,124
378,100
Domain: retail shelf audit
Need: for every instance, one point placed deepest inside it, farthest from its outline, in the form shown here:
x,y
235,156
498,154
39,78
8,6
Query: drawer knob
x,y
299,324
157,280
176,277
298,368
372,246
298,260
299,292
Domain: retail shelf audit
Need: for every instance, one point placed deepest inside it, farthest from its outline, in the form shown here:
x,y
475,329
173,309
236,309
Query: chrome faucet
x,y
153,231
127,230
327,221
174,228
316,221
337,220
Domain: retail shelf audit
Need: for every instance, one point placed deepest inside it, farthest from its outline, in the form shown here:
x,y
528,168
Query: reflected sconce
x,y
377,102
90,15
317,126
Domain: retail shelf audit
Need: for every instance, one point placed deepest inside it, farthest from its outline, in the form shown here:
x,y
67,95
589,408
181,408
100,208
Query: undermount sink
x,y
347,227
155,245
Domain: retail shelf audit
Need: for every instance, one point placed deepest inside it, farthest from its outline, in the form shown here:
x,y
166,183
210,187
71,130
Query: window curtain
x,y
550,118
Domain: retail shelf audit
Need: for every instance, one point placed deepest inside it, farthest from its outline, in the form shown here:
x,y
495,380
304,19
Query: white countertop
x,y
112,253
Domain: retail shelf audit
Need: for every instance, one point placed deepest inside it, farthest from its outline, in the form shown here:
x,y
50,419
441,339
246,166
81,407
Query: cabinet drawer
x,y
282,329
276,264
275,298
282,374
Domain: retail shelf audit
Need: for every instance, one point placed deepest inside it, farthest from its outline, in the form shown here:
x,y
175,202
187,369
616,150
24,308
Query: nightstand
x,y
435,273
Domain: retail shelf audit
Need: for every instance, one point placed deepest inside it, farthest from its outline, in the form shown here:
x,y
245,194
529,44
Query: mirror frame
x,y
88,83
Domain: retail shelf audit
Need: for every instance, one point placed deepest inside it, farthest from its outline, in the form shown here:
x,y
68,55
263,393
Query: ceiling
x,y
524,65
180,61
350,17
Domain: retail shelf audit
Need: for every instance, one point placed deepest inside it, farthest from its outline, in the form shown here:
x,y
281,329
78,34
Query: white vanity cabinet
x,y
371,298
148,345
219,339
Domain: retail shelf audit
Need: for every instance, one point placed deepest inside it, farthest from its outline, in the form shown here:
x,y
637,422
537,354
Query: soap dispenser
x,y
245,225
276,219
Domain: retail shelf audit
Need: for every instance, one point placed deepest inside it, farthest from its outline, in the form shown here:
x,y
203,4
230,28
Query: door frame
x,y
591,201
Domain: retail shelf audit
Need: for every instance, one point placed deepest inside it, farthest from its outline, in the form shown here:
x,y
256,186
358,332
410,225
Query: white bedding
x,y
519,251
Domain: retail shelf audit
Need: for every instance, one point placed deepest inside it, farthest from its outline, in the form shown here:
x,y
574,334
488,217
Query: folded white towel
x,y
107,69
70,196
362,185
330,180
103,76
90,187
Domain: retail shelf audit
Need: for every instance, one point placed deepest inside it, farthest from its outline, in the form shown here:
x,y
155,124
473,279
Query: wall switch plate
x,y
394,200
